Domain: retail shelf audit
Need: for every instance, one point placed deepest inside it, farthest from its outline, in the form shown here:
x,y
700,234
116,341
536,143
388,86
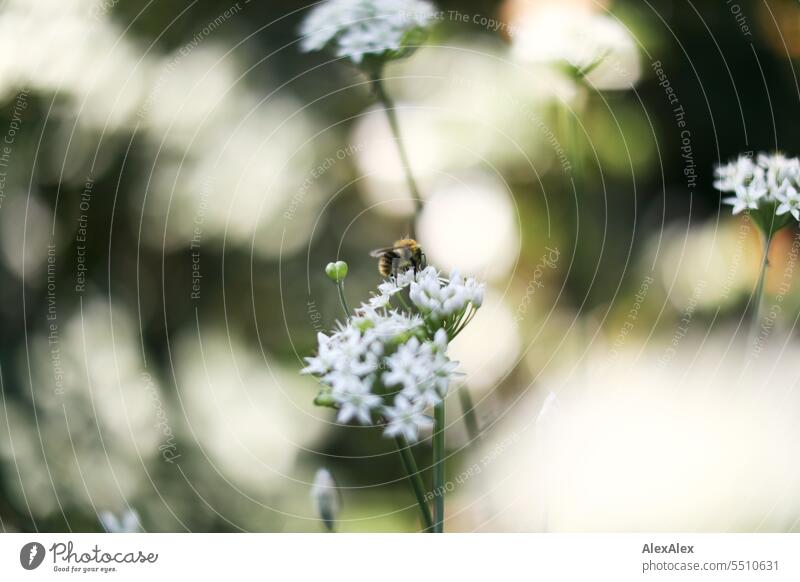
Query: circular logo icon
x,y
31,555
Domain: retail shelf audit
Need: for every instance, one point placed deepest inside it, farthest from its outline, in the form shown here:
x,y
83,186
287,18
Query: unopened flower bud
x,y
326,497
325,399
337,271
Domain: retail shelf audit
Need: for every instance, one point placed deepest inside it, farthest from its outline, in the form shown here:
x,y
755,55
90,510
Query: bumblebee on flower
x,y
389,361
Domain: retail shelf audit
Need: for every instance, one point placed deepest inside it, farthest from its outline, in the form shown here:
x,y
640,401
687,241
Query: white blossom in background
x,y
385,363
229,161
448,219
70,48
325,495
587,42
128,522
357,28
252,417
97,416
789,202
769,184
640,446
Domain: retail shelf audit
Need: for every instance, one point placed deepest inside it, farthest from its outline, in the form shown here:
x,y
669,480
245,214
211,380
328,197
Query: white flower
x,y
789,202
580,38
380,301
441,299
778,170
385,361
421,369
355,28
357,402
746,198
406,418
765,181
736,174
404,366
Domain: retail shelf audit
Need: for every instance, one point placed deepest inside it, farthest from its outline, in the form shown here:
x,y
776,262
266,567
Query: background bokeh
x,y
175,176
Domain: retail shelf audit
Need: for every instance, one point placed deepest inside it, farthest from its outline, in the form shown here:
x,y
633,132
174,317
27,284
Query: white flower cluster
x,y
770,180
391,365
440,301
355,28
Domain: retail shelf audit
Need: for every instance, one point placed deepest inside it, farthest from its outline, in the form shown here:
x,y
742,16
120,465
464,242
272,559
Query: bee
x,y
404,254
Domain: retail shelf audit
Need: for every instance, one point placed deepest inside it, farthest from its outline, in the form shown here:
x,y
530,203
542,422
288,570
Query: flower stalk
x,y
758,297
438,467
390,110
414,478
470,418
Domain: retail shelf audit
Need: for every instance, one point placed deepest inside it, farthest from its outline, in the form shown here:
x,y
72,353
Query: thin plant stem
x,y
391,116
755,320
438,468
470,418
414,478
573,145
342,298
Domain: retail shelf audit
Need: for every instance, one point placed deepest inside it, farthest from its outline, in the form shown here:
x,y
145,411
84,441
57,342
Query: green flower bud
x,y
325,398
337,271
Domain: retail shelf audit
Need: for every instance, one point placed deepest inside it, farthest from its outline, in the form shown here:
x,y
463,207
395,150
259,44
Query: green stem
x,y
391,115
438,468
343,299
410,466
755,320
470,418
570,131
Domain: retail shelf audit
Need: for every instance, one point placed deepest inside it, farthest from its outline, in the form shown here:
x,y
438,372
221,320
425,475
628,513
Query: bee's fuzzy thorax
x,y
407,242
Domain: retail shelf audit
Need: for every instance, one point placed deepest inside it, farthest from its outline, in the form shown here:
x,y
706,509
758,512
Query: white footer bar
x,y
402,557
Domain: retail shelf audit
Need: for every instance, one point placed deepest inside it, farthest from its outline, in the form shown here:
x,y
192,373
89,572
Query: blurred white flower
x,y
357,28
70,49
747,198
250,416
725,256
325,494
128,523
483,362
233,164
99,414
779,170
459,108
471,224
771,178
789,200
25,232
714,431
588,42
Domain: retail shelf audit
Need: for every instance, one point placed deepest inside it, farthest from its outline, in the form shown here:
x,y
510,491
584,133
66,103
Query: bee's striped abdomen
x,y
385,265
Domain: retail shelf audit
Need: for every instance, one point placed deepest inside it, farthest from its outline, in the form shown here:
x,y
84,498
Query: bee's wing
x,y
377,253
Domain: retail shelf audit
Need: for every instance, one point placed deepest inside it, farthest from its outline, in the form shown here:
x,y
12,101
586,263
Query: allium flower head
x,y
767,187
389,361
356,29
